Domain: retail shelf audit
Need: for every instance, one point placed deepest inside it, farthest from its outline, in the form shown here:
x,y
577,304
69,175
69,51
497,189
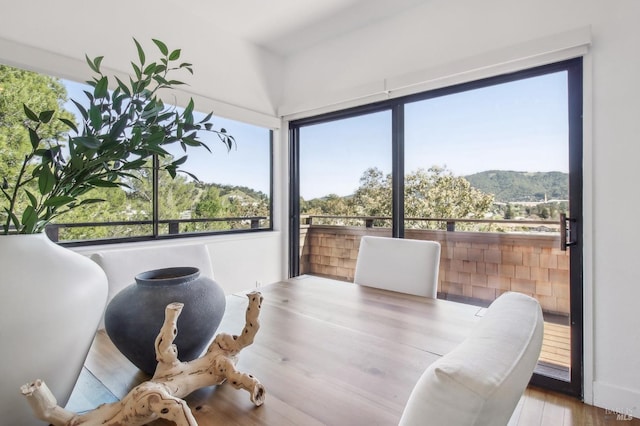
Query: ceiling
x,y
285,27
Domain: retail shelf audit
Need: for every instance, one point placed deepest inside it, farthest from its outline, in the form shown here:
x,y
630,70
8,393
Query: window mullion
x,y
397,173
155,177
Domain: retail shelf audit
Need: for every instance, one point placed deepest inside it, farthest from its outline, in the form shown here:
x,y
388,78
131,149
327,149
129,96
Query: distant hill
x,y
239,191
510,186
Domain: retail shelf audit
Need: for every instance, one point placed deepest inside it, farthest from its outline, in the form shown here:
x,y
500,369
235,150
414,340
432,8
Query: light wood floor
x,y
556,348
542,408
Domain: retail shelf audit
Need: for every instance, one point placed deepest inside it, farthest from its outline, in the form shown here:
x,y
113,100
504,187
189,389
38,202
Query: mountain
x,y
510,186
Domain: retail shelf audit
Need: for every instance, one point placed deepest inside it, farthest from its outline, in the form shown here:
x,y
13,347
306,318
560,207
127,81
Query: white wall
x,y
441,35
239,261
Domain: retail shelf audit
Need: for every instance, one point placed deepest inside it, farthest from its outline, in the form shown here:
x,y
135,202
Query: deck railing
x,y
173,225
474,265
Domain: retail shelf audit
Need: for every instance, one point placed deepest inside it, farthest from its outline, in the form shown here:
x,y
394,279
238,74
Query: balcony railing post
x,y
174,228
368,223
451,226
53,232
255,223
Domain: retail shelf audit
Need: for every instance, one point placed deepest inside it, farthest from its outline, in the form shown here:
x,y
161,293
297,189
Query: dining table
x,y
327,352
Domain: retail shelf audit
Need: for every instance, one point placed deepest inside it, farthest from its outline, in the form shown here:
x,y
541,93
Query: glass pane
x,y
126,213
345,178
233,187
486,174
234,191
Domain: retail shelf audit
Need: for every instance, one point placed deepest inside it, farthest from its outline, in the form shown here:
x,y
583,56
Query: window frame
x,y
574,69
155,220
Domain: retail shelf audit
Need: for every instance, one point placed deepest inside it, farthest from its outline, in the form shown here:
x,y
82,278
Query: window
x,y
232,193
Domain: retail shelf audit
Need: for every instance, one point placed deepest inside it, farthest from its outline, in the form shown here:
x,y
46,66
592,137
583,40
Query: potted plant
x,y
51,291
120,132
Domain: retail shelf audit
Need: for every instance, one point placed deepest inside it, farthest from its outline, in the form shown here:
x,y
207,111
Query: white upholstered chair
x,y
121,265
398,264
481,381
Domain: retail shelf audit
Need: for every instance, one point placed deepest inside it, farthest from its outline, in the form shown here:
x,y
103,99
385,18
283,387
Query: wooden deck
x,y
556,346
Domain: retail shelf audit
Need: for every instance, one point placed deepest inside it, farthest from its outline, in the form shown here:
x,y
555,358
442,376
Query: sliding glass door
x,y
491,169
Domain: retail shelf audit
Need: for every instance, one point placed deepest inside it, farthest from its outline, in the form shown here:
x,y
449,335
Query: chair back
x,y
481,381
398,264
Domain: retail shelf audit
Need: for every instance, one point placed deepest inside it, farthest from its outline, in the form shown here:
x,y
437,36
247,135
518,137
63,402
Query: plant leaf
x,y
35,139
90,142
133,165
150,69
179,161
163,47
45,116
81,109
32,198
136,69
123,87
103,183
118,127
156,138
95,117
194,177
29,220
91,64
207,118
96,62
58,201
140,52
101,89
14,220
174,55
70,124
30,114
91,201
46,180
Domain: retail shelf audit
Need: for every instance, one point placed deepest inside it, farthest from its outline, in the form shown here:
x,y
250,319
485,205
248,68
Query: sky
x,y
247,164
520,126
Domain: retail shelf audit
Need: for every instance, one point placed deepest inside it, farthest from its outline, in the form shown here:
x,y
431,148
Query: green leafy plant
x,y
121,131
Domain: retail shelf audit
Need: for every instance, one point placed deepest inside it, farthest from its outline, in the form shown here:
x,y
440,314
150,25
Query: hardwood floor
x,y
538,407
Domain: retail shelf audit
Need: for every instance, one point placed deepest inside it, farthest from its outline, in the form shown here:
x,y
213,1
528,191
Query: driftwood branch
x,y
161,396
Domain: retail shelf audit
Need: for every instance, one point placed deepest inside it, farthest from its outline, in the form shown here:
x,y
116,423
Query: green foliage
x,y
510,186
433,193
119,133
179,199
373,197
210,204
437,193
18,88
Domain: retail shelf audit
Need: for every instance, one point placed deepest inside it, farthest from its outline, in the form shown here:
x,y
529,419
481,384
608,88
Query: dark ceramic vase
x,y
134,316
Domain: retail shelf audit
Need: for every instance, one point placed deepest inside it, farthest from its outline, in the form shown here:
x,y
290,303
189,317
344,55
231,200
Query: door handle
x,y
565,231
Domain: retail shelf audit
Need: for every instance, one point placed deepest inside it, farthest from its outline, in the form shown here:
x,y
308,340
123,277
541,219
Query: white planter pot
x,y
52,301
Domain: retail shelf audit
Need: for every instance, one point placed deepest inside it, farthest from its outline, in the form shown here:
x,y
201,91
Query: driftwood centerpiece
x,y
161,396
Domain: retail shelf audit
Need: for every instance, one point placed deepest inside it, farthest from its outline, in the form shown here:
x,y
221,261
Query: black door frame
x,y
573,67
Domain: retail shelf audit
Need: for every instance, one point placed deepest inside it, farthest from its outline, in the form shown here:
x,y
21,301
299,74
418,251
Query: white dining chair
x,y
398,264
481,381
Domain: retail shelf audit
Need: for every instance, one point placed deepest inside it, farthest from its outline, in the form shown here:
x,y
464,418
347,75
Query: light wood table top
x,y
327,352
